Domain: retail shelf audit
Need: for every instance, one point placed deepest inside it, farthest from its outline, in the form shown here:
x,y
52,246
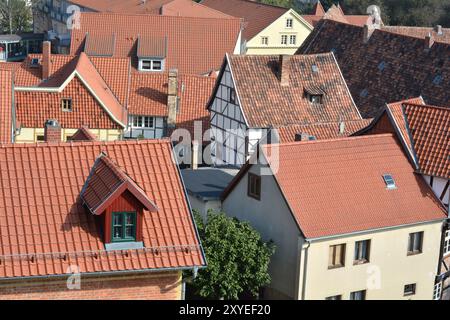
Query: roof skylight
x,y
390,182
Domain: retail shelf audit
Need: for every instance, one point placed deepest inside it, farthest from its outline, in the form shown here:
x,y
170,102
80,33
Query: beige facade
x,y
270,40
31,135
384,277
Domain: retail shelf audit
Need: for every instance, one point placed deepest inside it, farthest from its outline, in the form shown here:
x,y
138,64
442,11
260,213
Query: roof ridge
x,y
153,16
424,106
366,137
320,123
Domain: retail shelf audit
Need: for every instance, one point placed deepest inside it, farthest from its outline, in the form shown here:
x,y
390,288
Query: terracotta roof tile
x,y
266,102
350,170
83,134
429,129
321,131
43,178
149,97
257,16
6,106
387,58
334,13
184,37
420,32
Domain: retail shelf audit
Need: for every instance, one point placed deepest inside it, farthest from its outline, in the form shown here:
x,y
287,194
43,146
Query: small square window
x,y
254,186
409,290
415,242
336,257
157,65
123,226
358,295
66,105
389,180
40,138
289,23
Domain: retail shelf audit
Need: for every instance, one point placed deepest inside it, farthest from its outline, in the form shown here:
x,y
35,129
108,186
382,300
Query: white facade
x,y
440,188
146,127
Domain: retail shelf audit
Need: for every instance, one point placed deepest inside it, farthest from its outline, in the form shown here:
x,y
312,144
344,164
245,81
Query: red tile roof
x,y
321,131
41,178
148,96
337,173
429,129
387,58
420,32
266,102
185,8
6,106
334,13
106,182
83,134
194,45
257,16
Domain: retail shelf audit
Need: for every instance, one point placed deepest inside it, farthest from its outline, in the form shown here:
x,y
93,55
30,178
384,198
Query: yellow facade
x,y
31,135
389,269
274,32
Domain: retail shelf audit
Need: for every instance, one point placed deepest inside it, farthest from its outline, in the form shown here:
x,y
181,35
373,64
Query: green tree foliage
x,y
15,16
237,258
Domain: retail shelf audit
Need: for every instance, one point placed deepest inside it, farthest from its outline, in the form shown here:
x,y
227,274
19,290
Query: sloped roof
x,y
389,67
186,37
336,13
148,96
45,228
257,16
6,106
185,8
334,173
266,103
321,131
420,32
83,134
106,182
429,129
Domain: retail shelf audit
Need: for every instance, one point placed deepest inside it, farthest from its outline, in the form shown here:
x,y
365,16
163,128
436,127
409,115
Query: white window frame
x,y
265,41
67,104
437,291
152,61
142,122
447,242
284,39
289,23
293,37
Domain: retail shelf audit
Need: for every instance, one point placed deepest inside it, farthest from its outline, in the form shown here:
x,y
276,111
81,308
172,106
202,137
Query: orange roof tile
x,y
420,32
429,130
83,134
148,96
334,13
335,173
186,37
321,131
267,103
6,106
42,178
257,16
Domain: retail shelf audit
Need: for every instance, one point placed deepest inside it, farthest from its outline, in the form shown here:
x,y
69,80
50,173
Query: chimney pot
x,y
195,150
172,98
429,41
46,59
368,30
438,29
284,68
52,131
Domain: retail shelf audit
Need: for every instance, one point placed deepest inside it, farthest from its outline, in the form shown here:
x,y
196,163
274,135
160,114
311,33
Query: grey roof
x,y
207,183
21,36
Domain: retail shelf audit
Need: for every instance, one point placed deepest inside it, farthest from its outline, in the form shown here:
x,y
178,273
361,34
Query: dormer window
x,y
123,226
315,98
314,94
151,65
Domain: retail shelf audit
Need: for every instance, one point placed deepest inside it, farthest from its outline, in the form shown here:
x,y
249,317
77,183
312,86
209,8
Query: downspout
x,y
302,270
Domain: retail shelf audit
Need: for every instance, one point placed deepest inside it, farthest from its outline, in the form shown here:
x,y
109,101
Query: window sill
x,y
409,294
335,267
131,245
413,253
359,262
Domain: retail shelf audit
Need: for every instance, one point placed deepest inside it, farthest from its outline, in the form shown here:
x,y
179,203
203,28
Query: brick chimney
x,y
284,68
172,98
368,30
429,41
52,131
46,59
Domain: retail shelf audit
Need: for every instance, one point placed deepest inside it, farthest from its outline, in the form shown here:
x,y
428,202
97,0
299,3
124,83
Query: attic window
x,y
151,65
382,65
123,226
66,104
34,63
289,23
314,98
315,68
437,80
389,180
364,93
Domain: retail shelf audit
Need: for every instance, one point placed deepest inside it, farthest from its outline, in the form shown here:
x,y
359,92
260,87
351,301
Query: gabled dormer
x,y
152,53
118,202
